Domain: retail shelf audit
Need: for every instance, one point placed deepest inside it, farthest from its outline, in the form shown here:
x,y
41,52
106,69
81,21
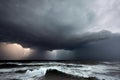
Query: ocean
x,y
63,70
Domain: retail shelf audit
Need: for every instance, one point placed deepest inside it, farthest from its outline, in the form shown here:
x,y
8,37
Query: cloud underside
x,y
51,41
88,46
63,29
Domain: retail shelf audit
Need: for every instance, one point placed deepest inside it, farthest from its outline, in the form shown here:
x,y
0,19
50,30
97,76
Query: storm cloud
x,y
80,29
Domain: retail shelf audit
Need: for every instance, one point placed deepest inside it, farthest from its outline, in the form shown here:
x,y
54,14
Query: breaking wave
x,y
84,71
104,71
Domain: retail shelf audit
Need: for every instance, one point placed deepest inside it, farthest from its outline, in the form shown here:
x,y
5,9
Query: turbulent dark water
x,y
60,71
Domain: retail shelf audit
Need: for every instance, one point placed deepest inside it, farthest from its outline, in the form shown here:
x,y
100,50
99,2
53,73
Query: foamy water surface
x,y
103,70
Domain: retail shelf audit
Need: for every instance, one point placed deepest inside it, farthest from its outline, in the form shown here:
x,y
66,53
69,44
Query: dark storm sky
x,y
63,29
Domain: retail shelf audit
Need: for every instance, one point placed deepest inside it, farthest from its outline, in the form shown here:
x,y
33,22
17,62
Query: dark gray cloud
x,y
103,50
106,49
49,43
69,28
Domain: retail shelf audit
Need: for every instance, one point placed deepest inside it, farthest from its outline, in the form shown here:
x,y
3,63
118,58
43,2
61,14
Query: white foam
x,y
85,71
100,71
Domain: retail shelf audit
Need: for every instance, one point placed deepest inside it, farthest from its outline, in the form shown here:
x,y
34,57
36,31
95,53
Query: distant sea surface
x,y
64,70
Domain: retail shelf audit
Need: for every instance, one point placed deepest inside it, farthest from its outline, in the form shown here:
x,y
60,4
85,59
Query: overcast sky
x,y
61,29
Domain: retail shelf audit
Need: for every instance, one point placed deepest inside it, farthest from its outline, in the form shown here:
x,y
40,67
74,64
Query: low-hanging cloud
x,y
59,25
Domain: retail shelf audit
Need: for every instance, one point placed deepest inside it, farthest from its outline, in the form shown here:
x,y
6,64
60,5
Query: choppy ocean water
x,y
39,70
